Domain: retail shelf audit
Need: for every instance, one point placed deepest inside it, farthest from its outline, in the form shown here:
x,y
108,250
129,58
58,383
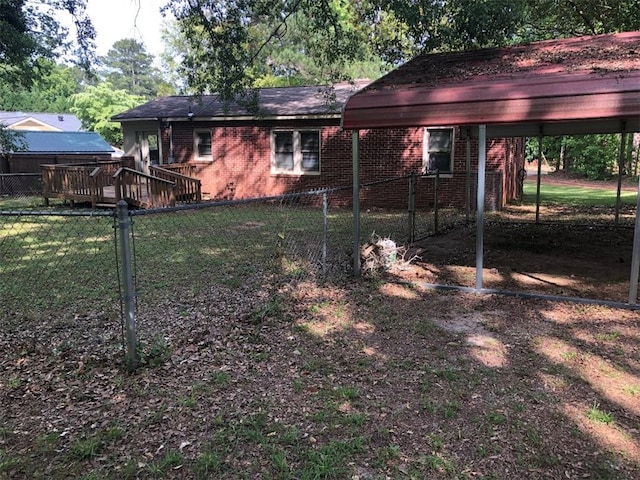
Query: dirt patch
x,y
571,252
369,379
546,259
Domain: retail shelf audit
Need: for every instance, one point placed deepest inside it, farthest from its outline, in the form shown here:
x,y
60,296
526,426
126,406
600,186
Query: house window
x,y
437,151
295,152
202,145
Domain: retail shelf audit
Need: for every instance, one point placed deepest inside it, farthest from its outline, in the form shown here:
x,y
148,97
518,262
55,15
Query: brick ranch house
x,y
294,142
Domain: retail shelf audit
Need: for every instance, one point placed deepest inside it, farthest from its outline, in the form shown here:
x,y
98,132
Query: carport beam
x,y
482,162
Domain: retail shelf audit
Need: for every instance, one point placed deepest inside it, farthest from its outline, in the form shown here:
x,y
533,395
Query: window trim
x,y
425,152
297,152
196,144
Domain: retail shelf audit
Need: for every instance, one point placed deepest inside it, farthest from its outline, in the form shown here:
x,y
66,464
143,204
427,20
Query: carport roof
x,y
575,85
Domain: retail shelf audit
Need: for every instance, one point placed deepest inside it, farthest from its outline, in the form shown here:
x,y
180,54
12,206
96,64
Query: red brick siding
x,y
241,165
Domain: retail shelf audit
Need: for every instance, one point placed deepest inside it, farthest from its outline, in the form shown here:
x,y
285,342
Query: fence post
x,y
412,207
127,280
436,187
325,215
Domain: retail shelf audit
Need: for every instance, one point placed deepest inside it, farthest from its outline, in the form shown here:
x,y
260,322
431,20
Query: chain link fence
x,y
193,259
66,265
20,190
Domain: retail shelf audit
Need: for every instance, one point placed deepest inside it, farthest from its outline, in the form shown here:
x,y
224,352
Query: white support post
x,y
482,165
355,152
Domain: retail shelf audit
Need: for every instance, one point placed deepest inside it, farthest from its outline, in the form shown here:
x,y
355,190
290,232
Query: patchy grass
x,y
250,371
368,399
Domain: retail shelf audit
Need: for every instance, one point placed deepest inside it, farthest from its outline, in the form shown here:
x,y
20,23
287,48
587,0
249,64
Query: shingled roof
x,y
273,102
64,122
595,79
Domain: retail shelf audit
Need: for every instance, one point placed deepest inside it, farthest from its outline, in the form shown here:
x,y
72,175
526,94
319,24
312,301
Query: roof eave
x,y
234,118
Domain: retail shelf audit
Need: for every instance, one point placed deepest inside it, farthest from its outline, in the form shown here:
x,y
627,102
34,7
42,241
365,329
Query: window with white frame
x,y
202,145
295,152
437,153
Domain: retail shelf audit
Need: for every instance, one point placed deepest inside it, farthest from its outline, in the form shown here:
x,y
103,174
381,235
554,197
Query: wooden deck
x,y
103,184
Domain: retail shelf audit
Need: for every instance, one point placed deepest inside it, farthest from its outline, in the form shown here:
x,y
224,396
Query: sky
x,y
118,19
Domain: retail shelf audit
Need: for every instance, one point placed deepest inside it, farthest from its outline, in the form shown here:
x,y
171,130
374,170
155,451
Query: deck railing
x,y
187,169
72,183
188,189
142,190
96,182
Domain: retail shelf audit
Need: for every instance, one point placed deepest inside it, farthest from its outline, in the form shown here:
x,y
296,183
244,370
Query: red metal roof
x,y
568,80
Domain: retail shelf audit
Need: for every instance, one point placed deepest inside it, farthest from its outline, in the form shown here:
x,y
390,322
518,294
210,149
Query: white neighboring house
x,y
40,122
46,122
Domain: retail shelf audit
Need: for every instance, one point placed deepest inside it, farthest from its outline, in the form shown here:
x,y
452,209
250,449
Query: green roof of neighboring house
x,y
64,142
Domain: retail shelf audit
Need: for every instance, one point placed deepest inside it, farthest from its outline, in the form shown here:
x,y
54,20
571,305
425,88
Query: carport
x,y
575,86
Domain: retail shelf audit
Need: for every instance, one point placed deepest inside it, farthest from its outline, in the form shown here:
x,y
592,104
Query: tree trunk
x,y
628,154
560,159
566,159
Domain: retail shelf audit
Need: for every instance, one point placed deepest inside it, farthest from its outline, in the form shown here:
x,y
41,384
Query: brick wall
x,y
241,166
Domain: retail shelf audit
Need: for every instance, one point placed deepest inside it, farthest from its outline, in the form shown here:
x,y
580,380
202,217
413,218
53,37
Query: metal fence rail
x,y
20,184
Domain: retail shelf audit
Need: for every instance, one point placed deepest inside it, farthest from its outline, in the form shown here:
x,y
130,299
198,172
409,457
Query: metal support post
x,y
482,165
436,194
325,215
412,208
128,288
355,152
623,139
635,256
467,190
538,179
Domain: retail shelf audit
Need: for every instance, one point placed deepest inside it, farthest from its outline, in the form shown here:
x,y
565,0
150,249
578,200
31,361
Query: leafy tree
x,y
11,141
49,92
546,19
29,34
130,67
593,156
97,104
226,39
29,31
233,45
